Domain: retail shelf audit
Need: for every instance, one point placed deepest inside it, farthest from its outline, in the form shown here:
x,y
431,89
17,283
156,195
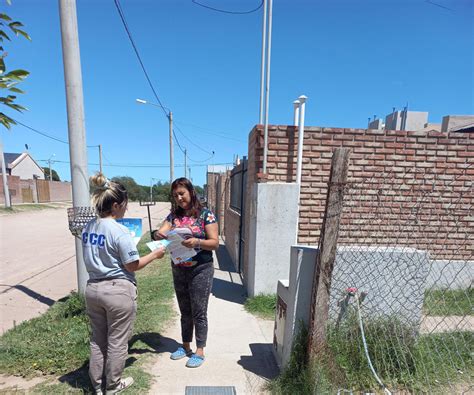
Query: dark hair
x,y
107,193
195,207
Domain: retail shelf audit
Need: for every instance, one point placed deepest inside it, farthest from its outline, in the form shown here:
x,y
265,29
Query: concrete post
x,y
6,191
75,115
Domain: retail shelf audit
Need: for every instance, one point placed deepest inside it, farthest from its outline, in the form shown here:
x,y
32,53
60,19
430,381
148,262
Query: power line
x,y
187,138
95,146
124,22
47,135
204,160
226,11
137,165
438,5
209,131
125,25
41,133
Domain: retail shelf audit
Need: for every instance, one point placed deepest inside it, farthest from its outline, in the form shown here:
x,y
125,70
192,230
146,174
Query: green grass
x,y
301,376
445,302
57,343
401,359
25,207
262,306
436,363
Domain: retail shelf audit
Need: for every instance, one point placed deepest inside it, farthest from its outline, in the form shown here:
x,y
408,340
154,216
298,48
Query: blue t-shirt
x,y
107,246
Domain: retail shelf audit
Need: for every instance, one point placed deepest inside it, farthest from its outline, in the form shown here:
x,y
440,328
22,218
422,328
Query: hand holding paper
x,y
173,242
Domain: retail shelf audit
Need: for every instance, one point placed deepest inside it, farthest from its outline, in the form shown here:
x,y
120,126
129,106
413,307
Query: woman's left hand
x,y
192,242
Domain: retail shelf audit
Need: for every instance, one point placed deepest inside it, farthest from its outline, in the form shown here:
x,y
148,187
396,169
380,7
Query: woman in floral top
x,y
192,279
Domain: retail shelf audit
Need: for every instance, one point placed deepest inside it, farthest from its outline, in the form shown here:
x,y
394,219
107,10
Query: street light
x,y
49,162
151,187
170,119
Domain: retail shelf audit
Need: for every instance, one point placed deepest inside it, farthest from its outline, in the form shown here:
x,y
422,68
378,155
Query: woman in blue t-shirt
x,y
111,258
192,279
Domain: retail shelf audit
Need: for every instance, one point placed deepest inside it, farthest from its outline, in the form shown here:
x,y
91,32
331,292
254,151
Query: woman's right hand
x,y
157,235
159,253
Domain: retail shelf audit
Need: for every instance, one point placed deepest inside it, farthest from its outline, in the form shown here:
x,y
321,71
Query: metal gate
x,y
237,202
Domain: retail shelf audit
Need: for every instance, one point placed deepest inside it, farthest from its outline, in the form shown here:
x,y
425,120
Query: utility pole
x,y
6,191
185,163
151,189
76,126
100,158
170,121
170,117
50,174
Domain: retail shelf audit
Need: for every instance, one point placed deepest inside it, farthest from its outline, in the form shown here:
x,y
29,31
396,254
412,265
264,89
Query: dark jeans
x,y
193,287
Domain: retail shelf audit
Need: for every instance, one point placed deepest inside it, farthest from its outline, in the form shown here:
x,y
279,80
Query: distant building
x,y
432,126
418,121
406,120
458,123
23,166
376,124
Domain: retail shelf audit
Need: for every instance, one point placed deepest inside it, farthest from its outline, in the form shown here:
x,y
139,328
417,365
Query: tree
x,y
9,80
135,191
199,190
161,192
55,175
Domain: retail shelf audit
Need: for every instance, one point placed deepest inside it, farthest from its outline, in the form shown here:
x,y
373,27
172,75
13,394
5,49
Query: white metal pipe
x,y
262,67
296,112
302,100
267,87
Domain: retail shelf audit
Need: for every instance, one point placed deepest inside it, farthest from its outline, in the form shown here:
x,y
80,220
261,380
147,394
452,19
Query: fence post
x,y
327,251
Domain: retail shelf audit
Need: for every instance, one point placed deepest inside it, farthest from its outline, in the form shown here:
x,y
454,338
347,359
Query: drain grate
x,y
195,390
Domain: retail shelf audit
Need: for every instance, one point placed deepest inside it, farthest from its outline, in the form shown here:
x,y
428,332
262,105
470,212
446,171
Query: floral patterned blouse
x,y
197,226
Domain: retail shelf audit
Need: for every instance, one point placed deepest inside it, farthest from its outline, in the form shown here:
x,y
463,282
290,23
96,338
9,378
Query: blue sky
x,y
353,59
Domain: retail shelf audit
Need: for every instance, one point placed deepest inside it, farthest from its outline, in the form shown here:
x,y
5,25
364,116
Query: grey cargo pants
x,y
111,307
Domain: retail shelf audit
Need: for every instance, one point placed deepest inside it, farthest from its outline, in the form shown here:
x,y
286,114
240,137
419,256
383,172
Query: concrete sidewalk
x,y
239,347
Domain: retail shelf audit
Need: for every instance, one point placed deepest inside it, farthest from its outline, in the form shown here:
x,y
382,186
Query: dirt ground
x,y
38,260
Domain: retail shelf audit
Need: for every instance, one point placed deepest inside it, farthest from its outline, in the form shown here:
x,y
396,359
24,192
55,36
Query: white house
x,y
23,166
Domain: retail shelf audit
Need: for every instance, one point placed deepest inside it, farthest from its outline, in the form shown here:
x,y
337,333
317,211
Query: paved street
x,y
38,262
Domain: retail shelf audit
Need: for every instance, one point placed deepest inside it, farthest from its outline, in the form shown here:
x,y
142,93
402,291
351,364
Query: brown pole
x,y
327,251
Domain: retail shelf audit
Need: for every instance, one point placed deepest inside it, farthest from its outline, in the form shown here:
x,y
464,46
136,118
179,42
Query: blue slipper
x,y
181,353
195,361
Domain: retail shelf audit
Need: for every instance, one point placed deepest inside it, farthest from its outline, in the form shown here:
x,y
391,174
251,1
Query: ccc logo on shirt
x,y
93,239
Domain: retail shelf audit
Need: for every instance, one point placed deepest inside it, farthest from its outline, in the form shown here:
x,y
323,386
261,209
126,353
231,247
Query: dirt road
x,y
38,261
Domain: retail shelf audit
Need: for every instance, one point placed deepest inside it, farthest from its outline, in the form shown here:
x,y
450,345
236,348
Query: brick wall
x,y
15,190
60,191
211,190
404,187
218,196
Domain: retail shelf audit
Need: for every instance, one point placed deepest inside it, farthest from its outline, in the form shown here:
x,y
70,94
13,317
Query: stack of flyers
x,y
172,243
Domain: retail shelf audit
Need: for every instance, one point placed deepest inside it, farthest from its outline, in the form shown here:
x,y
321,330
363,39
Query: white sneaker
x,y
124,383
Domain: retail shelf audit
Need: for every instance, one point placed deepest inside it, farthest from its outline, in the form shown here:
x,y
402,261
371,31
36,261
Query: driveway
x,y
38,261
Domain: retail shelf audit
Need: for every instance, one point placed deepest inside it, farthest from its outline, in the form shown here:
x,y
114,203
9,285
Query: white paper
x,y
154,245
178,252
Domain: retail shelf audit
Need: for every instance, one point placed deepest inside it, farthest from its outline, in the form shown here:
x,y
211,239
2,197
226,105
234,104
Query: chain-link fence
x,y
401,301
